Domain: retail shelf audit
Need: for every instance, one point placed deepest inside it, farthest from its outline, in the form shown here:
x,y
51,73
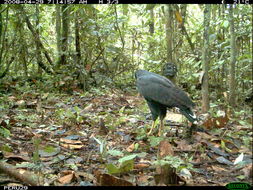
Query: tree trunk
x,y
151,29
1,23
23,51
152,22
58,30
223,73
168,30
38,50
77,35
36,38
1,28
65,31
205,60
125,13
232,82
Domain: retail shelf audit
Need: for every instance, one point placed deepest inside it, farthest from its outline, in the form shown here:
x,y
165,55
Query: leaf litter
x,y
101,140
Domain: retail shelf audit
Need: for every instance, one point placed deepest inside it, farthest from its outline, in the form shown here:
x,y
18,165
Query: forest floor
x,y
99,138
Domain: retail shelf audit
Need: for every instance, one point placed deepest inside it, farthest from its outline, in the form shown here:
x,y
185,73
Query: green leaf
x,y
49,149
212,105
77,109
112,169
212,37
242,122
115,153
241,177
136,146
223,146
129,157
69,114
6,148
97,140
225,24
126,166
4,132
154,141
122,109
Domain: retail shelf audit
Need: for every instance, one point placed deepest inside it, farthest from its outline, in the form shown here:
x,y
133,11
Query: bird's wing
x,y
160,89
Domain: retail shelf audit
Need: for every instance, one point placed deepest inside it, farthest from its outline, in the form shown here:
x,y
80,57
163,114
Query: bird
x,y
161,94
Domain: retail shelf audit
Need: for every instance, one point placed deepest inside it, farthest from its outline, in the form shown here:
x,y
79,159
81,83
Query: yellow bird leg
x,y
153,126
161,128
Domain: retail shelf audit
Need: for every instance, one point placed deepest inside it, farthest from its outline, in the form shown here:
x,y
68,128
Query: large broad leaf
x,y
115,152
154,141
127,166
126,158
112,169
4,132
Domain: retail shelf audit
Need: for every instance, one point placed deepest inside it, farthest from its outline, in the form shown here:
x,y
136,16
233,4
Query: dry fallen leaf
x,y
141,166
248,171
183,145
218,169
72,146
66,179
69,141
165,149
204,135
217,122
143,178
85,175
103,130
12,156
130,148
110,180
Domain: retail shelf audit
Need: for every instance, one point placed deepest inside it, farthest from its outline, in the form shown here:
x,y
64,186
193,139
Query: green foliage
x,y
36,142
6,148
126,158
71,115
126,164
175,162
114,46
49,149
102,148
124,167
154,141
4,132
141,134
114,152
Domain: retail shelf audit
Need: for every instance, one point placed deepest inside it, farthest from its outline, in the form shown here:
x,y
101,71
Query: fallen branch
x,y
26,177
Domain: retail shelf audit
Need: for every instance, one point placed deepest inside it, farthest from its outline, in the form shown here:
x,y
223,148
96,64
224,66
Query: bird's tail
x,y
188,114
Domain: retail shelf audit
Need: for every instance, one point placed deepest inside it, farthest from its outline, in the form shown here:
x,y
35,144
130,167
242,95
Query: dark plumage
x,y
160,94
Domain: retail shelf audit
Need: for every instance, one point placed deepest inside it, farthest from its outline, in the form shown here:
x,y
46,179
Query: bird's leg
x,y
153,126
160,128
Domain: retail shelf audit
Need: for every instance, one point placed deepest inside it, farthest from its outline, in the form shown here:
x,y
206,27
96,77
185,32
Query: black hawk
x,y
160,94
